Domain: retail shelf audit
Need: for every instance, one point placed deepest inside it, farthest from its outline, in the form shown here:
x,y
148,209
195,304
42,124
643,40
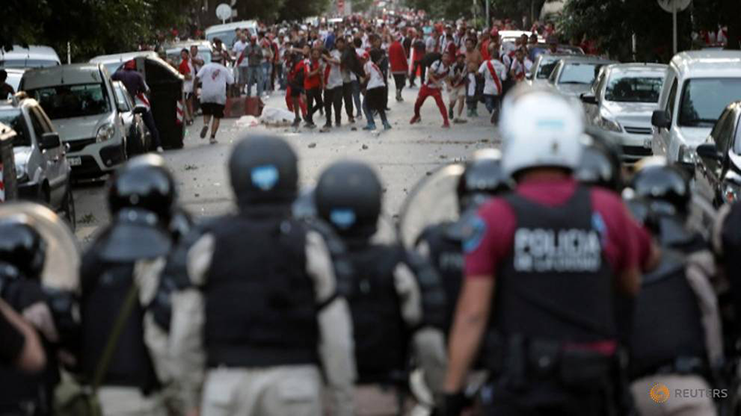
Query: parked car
x,y
80,100
698,86
115,61
513,35
622,100
574,75
138,138
226,32
32,57
718,167
204,50
42,171
543,66
539,49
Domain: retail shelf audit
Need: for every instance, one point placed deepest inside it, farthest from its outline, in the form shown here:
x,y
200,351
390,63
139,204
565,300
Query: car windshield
x,y
67,101
703,100
13,118
579,73
634,89
545,68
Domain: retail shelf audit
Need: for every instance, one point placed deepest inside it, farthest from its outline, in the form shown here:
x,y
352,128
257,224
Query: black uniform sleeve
x,y
12,341
434,301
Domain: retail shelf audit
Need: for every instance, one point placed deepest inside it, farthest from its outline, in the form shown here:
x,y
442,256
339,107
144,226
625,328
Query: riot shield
x,y
62,264
432,200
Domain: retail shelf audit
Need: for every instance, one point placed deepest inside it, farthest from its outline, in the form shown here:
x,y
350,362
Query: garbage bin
x,y
8,180
166,98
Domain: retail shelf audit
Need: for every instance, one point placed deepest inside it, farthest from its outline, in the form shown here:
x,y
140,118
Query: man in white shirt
x,y
238,49
333,81
521,66
494,73
214,78
436,76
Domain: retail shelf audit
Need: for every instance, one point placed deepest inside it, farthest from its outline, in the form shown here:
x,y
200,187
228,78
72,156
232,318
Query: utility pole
x,y
488,20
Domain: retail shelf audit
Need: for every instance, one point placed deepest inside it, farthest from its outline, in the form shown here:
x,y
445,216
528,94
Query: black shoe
x,y
338,123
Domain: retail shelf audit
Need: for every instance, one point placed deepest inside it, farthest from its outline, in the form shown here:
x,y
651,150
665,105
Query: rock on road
x,y
402,156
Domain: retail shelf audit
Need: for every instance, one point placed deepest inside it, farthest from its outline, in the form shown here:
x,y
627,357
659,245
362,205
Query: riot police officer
x,y
676,341
262,311
442,244
122,354
542,270
396,299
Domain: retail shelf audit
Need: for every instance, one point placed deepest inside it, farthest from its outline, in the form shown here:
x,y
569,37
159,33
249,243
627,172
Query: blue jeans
x,y
255,75
356,95
267,68
492,102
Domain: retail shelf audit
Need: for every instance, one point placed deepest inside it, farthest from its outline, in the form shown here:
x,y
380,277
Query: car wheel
x,y
68,207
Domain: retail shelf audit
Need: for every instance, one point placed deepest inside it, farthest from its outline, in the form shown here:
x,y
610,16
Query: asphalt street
x,y
402,156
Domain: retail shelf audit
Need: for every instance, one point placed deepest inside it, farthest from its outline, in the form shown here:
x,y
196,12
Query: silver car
x,y
622,100
43,173
138,138
574,75
543,67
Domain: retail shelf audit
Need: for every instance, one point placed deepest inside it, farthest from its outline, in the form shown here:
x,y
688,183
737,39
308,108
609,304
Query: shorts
x,y
213,109
456,92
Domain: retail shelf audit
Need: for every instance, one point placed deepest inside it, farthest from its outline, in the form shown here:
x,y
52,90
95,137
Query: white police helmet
x,y
540,128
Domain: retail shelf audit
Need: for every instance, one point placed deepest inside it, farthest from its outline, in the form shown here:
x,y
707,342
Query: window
x,y
721,132
737,140
634,89
14,119
704,99
121,100
546,68
38,126
579,73
671,100
68,101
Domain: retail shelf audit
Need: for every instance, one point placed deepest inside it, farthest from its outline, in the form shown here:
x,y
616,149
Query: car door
x,y
592,110
662,136
53,158
711,171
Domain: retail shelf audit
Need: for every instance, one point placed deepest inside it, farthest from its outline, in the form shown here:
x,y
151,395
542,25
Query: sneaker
x,y
160,149
386,126
213,140
359,116
309,125
474,113
296,123
370,127
338,124
415,120
352,120
446,125
204,132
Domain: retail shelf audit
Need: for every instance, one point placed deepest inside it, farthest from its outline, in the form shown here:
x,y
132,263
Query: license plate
x,y
647,143
74,161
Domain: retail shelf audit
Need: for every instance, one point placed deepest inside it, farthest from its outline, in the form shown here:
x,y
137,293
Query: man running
x,y
214,78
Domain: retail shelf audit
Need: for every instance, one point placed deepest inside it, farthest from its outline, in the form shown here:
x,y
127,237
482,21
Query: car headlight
x,y
609,125
730,192
21,173
105,132
686,155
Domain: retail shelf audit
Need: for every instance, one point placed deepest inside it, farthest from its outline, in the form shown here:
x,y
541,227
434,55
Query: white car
x,y
81,102
227,32
574,75
113,62
543,67
34,56
204,50
622,100
699,85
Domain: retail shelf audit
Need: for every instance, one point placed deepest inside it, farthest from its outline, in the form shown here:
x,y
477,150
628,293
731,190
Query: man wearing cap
x,y
543,266
138,88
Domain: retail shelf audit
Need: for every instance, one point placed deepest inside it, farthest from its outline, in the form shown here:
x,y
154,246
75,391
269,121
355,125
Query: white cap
x,y
540,128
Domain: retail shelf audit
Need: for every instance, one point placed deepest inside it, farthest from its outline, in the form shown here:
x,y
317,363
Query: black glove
x,y
450,404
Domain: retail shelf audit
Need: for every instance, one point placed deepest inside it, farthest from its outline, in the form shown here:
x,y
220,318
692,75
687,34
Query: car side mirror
x,y
709,151
661,119
50,141
588,99
140,109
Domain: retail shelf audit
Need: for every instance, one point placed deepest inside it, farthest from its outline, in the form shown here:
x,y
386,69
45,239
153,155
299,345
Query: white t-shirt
x,y
188,83
333,79
490,86
376,77
441,71
521,69
214,78
238,48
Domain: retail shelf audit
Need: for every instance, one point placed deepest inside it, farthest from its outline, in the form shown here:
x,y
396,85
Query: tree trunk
x,y
732,8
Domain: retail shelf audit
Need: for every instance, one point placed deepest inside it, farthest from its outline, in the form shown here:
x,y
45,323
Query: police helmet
x,y
540,128
348,196
23,247
143,183
263,169
482,178
600,166
667,186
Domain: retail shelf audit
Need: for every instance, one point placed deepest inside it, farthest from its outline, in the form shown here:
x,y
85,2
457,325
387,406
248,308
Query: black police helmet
x,y
264,169
348,196
22,247
143,183
598,167
660,182
482,178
